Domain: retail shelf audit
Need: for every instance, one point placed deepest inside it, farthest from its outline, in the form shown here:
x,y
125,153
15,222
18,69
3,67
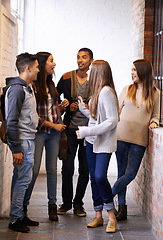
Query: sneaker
x,y
27,221
18,226
79,211
63,209
111,227
96,222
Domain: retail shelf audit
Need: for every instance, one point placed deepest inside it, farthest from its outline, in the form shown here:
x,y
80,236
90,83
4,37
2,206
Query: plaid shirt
x,y
43,112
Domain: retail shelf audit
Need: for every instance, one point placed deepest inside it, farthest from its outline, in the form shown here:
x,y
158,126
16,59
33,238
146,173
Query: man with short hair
x,y
22,120
72,85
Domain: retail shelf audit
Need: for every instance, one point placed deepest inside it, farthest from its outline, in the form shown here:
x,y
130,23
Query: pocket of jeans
x,y
27,146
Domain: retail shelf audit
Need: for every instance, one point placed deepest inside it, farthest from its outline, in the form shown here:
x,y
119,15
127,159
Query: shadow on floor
x,y
71,227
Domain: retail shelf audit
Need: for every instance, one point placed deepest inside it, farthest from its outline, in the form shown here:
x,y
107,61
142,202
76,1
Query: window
x,y
17,10
158,52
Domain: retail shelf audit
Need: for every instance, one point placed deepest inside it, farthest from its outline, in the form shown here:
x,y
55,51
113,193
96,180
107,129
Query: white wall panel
x,y
62,27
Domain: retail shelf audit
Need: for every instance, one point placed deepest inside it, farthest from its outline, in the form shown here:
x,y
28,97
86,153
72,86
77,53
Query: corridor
x,y
71,227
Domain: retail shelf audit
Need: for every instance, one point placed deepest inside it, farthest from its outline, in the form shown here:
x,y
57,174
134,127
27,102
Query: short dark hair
x,y
23,60
87,50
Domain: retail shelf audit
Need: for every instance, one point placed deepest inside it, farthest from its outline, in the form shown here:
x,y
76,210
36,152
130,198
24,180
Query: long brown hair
x,y
40,83
145,73
100,76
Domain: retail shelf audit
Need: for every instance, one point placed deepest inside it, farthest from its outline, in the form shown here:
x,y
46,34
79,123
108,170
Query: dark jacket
x,y
67,87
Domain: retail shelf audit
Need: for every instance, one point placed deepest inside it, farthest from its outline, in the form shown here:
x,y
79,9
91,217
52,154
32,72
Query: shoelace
x,y
111,224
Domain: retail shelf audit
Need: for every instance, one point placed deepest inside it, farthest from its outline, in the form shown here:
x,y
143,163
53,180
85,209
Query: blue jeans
x,y
22,175
51,144
101,190
129,157
68,171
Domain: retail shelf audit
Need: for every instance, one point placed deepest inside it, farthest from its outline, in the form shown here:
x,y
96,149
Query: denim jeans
x,y
22,175
101,190
68,171
51,144
129,157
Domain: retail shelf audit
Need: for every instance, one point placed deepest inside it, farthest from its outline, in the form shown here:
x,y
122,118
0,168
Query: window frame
x,y
158,52
17,10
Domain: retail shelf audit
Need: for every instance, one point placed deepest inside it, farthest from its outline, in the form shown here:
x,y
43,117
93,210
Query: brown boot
x,y
122,213
52,210
116,212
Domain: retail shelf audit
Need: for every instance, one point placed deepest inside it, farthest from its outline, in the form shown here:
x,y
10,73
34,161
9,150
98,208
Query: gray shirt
x,y
78,118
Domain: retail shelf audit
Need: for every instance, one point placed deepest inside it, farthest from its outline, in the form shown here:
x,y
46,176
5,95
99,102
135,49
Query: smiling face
x,y
134,75
50,65
83,60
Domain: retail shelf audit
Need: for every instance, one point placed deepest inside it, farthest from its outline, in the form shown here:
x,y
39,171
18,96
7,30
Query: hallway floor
x,y
72,227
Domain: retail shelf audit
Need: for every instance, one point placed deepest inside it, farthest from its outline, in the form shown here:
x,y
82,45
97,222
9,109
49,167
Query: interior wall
x,y
148,184
8,52
63,27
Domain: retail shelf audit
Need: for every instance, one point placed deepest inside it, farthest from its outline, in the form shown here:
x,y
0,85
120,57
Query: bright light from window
x,y
17,10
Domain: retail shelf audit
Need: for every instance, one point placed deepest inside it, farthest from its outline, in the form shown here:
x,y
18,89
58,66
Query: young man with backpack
x,y
71,85
22,120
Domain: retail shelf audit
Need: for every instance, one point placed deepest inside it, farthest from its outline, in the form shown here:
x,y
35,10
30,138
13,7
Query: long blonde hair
x,y
145,74
100,76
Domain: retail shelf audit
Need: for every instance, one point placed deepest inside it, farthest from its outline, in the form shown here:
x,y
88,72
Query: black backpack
x,y
3,127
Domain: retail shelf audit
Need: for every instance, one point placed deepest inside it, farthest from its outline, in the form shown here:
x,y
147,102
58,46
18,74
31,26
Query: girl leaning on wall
x,y
139,111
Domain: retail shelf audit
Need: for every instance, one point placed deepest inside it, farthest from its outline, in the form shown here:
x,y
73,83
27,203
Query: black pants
x,y
68,171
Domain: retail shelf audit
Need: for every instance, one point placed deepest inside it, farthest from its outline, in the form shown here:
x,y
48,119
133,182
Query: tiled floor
x,y
71,227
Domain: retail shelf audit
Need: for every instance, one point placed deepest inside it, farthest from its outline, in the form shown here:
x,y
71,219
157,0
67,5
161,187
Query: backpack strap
x,y
3,126
5,97
2,106
73,84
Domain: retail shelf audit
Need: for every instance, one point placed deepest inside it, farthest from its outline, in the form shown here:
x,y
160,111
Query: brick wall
x,y
8,51
142,32
8,45
148,185
138,7
148,29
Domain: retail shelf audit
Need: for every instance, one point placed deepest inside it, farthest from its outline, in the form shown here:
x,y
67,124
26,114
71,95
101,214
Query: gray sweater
x,y
20,112
105,127
91,122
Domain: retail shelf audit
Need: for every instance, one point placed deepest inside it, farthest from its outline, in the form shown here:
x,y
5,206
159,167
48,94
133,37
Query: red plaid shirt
x,y
43,112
